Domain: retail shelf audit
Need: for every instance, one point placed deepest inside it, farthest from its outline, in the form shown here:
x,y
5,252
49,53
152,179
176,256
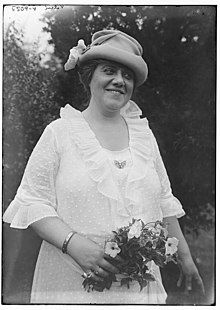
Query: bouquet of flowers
x,y
136,244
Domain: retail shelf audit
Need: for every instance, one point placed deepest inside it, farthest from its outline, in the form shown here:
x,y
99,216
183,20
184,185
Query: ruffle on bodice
x,y
36,197
97,162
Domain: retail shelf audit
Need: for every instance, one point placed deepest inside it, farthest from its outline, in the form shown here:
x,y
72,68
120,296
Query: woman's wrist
x,y
67,241
184,256
74,245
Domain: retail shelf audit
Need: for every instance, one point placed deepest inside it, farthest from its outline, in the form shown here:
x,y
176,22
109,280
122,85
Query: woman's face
x,y
111,86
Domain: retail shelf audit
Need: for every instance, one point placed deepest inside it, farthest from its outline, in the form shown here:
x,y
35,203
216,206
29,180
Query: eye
x,y
109,70
128,75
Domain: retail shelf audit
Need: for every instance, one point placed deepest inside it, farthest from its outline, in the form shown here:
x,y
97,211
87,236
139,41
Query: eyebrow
x,y
109,65
115,66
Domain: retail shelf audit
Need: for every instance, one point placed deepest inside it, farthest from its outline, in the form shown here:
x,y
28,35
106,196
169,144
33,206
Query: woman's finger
x,y
199,283
112,260
92,275
119,259
116,261
188,283
101,272
104,264
180,280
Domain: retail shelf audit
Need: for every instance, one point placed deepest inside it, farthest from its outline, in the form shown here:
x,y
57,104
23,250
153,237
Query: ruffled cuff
x,y
21,216
171,207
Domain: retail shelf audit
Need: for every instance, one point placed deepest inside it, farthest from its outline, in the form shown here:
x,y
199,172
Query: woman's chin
x,y
115,105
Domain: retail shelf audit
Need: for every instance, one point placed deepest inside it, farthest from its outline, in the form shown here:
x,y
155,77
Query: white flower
x,y
171,246
135,230
112,249
75,52
155,230
165,232
158,229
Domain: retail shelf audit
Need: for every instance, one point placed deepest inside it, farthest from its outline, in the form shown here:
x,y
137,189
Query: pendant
x,y
120,164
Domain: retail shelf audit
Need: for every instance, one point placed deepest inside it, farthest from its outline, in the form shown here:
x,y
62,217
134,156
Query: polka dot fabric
x,y
71,176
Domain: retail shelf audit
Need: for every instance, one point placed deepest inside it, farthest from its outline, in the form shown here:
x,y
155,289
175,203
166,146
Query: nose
x,y
118,79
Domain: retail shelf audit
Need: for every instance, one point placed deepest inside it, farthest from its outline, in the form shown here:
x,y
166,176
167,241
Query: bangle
x,y
67,240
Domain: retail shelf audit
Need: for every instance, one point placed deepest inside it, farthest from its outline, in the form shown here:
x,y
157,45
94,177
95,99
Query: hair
x,y
85,73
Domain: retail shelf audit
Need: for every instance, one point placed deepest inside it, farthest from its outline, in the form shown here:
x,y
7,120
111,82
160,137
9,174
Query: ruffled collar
x,y
98,164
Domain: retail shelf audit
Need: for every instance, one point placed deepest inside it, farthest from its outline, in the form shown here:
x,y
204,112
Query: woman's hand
x,y
189,273
90,256
188,270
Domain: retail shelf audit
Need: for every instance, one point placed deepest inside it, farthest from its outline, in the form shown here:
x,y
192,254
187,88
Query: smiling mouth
x,y
115,91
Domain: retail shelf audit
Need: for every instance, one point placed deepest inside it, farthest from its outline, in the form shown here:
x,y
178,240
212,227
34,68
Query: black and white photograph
x,y
109,154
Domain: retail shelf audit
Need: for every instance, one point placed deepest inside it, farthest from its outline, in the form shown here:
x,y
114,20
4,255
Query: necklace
x,y
120,164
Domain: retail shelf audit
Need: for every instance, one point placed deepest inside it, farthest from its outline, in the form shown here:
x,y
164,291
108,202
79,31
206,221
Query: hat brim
x,y
132,61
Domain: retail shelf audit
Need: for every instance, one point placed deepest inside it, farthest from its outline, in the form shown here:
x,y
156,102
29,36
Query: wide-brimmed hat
x,y
114,45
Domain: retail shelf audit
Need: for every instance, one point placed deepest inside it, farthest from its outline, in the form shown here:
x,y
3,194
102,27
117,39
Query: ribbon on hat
x,y
106,38
98,43
80,49
74,54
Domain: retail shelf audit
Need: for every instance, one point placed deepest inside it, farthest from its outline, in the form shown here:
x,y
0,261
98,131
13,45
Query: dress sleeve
x,y
169,204
36,196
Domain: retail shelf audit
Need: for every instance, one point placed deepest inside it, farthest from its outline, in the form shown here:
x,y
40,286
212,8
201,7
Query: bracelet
x,y
67,240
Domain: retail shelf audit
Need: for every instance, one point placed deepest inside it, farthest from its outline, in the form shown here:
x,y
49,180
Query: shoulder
x,y
57,124
59,133
58,127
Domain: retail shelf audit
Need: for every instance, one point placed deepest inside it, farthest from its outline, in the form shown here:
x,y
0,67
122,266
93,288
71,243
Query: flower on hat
x,y
75,52
171,246
112,249
135,230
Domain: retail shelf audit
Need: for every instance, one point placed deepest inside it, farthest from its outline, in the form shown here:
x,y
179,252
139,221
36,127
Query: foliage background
x,y
178,99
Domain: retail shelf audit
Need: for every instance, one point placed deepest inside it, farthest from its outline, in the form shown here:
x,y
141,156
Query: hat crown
x,y
117,39
119,47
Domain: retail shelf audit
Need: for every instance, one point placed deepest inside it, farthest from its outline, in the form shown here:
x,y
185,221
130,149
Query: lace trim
x,y
171,207
21,215
142,155
97,161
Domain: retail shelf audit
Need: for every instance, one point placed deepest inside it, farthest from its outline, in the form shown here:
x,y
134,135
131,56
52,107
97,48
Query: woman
x,y
92,172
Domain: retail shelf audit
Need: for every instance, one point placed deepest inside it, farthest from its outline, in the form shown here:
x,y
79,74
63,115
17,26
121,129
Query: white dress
x,y
70,175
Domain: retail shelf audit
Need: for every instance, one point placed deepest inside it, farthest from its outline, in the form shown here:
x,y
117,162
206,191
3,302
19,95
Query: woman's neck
x,y
110,129
91,113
